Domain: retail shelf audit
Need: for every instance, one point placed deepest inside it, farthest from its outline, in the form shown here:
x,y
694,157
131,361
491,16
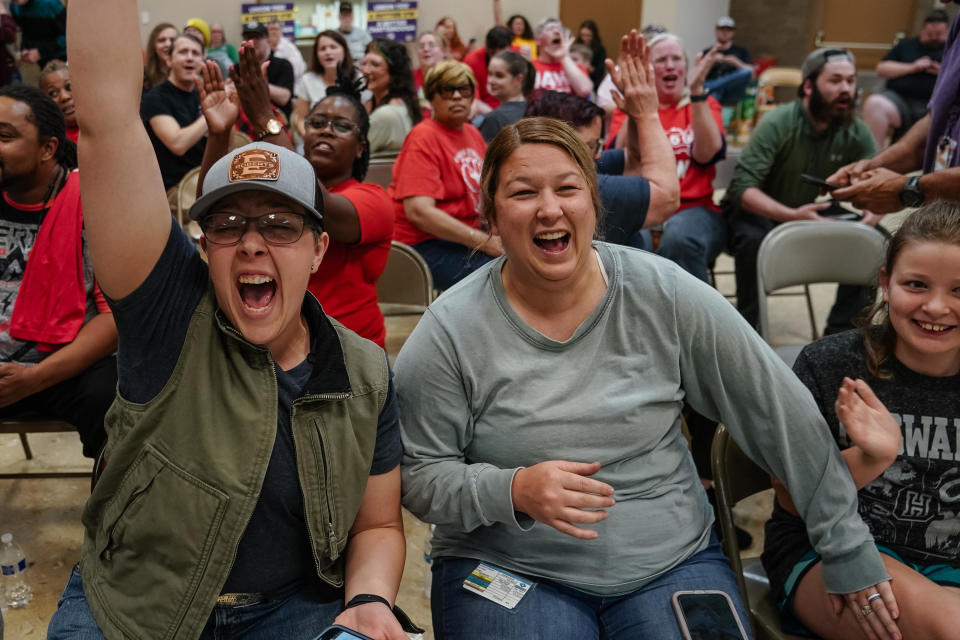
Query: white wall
x,y
692,20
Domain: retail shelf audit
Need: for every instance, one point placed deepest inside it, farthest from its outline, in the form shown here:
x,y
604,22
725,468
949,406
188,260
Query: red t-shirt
x,y
551,75
477,61
345,283
418,78
443,164
696,181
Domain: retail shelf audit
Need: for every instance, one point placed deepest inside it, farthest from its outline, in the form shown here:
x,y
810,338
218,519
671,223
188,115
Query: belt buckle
x,y
239,599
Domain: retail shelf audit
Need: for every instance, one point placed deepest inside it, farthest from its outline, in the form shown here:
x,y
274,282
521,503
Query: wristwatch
x,y
699,97
911,195
272,128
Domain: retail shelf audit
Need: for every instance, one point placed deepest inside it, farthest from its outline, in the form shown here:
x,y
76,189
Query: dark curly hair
x,y
45,115
527,29
574,110
498,39
401,77
349,87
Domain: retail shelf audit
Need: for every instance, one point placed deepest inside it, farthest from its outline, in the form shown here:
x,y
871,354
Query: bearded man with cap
x,y
251,487
816,134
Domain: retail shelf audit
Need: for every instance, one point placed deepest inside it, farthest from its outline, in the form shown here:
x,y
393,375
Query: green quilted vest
x,y
185,469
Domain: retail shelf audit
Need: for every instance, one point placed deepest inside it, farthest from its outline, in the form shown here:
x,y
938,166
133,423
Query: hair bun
x,y
348,83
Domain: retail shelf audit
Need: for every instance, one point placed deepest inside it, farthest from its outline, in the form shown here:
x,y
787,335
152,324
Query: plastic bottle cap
x,y
7,537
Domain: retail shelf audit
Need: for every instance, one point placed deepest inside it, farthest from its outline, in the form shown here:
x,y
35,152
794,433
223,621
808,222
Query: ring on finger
x,y
866,610
871,599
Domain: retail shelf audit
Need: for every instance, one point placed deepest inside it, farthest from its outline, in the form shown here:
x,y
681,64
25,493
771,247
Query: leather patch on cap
x,y
255,164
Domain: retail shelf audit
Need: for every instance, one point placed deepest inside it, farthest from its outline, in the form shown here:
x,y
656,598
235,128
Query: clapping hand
x,y
701,67
249,76
634,77
867,422
220,105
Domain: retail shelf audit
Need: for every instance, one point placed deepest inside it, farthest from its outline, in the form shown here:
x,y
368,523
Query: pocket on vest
x,y
153,545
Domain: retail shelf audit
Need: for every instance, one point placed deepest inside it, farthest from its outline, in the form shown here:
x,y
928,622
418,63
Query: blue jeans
x,y
551,611
693,238
730,89
449,262
295,615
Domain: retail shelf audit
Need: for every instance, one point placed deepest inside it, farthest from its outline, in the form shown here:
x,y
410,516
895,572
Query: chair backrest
x,y
405,286
735,477
807,251
380,171
187,193
781,77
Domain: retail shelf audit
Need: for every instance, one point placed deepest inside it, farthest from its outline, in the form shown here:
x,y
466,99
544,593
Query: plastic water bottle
x,y
13,565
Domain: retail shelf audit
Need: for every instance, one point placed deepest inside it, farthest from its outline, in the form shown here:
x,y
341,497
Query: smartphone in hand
x,y
823,184
336,632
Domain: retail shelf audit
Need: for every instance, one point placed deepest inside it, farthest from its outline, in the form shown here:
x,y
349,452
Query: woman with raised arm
x,y
358,216
541,404
251,482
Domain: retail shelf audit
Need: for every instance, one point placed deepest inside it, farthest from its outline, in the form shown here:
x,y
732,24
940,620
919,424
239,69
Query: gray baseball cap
x,y
820,57
261,166
726,22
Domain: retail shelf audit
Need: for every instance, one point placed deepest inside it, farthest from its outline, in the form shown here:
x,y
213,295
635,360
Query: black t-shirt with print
x,y
913,507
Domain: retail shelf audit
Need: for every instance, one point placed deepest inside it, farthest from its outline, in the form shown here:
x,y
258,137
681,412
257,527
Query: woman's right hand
x,y
558,493
868,423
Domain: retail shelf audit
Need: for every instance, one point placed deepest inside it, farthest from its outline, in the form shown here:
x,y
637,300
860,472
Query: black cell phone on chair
x,y
336,632
707,615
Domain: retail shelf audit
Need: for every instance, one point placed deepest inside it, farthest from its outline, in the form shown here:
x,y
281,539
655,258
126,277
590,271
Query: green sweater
x,y
785,145
482,394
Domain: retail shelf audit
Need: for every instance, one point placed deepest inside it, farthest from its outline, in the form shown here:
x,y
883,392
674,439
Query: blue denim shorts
x,y
942,574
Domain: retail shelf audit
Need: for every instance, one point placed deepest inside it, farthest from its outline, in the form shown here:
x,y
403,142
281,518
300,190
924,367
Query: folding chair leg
x,y
813,320
26,446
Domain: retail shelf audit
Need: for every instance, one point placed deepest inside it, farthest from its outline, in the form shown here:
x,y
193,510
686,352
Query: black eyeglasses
x,y
279,227
339,125
446,91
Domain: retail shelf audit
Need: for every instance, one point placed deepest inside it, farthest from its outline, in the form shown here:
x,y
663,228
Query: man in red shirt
x,y
498,39
556,70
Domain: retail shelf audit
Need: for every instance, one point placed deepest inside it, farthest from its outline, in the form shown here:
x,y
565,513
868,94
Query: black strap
x,y
366,598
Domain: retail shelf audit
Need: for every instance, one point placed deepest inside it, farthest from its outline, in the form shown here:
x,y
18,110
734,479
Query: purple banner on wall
x,y
282,12
394,20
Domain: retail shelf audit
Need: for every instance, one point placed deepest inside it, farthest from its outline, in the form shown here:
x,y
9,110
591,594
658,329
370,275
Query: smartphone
x,y
823,184
336,632
707,615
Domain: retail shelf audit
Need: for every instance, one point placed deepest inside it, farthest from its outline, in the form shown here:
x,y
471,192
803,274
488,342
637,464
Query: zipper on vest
x,y
331,531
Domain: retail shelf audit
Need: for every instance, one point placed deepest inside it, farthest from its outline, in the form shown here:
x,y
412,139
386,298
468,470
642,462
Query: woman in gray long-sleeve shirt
x,y
541,404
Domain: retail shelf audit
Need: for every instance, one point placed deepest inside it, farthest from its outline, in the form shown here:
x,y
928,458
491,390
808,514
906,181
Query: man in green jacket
x,y
815,134
251,487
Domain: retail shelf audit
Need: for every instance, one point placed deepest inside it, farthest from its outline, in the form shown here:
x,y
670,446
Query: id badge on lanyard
x,y
947,145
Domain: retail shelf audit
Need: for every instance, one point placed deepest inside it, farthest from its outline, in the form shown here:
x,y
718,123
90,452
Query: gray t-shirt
x,y
483,394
